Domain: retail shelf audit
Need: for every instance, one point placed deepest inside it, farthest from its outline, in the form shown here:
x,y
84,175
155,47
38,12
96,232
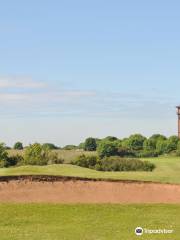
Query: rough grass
x,y
86,222
167,171
67,155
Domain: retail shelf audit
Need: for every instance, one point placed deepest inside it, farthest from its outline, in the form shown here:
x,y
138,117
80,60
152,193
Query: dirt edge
x,y
60,178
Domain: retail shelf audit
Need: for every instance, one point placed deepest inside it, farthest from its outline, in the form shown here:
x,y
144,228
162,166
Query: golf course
x,y
166,171
86,221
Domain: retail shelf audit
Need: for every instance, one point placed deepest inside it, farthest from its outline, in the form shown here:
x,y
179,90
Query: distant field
x,y
67,155
86,222
167,171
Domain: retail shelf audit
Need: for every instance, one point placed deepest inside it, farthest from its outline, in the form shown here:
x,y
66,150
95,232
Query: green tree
x,y
51,146
162,146
149,145
111,138
157,137
135,142
172,143
90,144
107,149
18,146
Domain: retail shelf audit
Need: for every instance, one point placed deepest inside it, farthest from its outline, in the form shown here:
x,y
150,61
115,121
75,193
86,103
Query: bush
x,y
3,155
50,146
147,154
85,161
122,164
110,138
125,152
13,161
70,147
107,149
18,146
113,164
55,159
36,154
90,144
5,160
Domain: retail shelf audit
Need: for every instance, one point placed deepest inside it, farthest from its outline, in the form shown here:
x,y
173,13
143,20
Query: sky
x,y
74,69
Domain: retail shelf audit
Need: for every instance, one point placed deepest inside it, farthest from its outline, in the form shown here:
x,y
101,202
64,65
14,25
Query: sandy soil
x,y
86,191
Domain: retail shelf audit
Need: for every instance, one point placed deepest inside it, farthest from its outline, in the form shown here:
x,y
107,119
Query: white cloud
x,y
18,94
25,90
19,82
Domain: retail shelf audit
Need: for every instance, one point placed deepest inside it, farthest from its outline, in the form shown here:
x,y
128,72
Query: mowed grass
x,y
167,171
86,222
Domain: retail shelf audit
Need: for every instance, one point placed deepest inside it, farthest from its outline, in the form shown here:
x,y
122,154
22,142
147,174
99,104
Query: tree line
x,y
135,145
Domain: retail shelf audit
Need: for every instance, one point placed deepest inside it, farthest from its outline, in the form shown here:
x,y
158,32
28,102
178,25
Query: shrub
x,y
146,154
13,161
55,159
18,146
85,161
110,138
122,164
36,154
5,160
3,155
70,147
107,149
50,146
113,164
125,152
90,144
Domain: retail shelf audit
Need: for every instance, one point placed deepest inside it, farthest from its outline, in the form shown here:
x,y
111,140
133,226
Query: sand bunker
x,y
71,190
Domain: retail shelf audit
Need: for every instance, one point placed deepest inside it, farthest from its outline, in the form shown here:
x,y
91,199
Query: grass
x,y
167,171
67,155
91,221
86,222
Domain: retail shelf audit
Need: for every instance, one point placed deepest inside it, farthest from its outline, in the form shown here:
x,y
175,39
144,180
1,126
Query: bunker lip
x,y
61,178
73,190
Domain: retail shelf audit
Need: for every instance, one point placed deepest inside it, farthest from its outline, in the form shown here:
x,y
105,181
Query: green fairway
x,y
167,170
86,222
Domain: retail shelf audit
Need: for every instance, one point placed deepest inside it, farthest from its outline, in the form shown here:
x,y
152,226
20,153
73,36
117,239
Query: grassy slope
x,y
86,222
167,171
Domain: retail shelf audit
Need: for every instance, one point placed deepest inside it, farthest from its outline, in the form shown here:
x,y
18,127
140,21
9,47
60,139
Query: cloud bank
x,y
25,96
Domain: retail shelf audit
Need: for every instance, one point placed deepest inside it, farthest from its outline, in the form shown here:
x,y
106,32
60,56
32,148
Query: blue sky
x,y
73,69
